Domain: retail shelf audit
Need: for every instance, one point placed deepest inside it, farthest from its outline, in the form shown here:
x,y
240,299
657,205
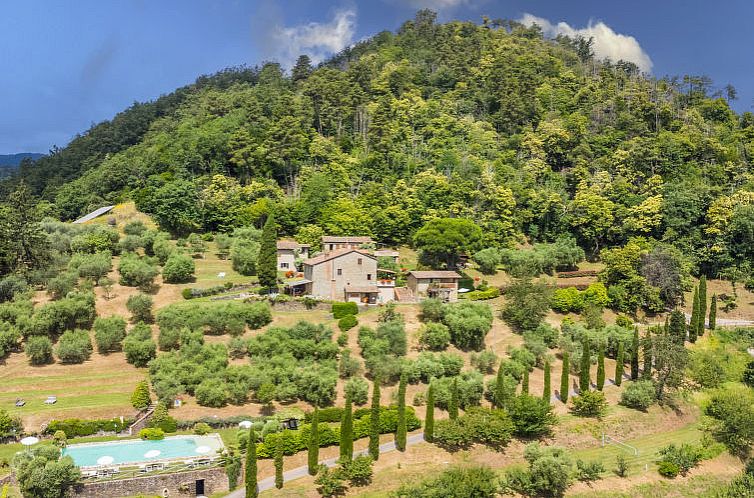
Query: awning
x,y
296,283
362,289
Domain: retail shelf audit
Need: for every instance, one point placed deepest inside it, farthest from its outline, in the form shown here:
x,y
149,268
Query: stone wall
x,y
181,484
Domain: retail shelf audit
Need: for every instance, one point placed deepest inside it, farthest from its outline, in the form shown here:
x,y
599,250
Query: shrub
x,y
526,304
169,339
434,336
39,350
339,310
432,310
141,397
358,390
140,307
466,481
109,333
349,365
74,427
162,420
139,347
211,392
470,390
347,323
549,472
468,323
668,469
532,417
136,272
481,295
638,394
706,368
152,434
567,300
179,268
478,425
58,287
135,227
74,346
485,361
359,470
590,404
243,254
589,471
733,410
683,458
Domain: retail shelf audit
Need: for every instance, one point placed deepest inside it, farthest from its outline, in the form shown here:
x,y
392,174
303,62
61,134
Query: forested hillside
x,y
533,139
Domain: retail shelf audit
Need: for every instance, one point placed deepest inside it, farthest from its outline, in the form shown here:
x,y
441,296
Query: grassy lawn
x,y
697,486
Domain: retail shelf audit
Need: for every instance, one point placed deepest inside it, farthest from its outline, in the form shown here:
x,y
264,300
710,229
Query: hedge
x,y
295,441
479,295
75,427
194,292
347,323
339,310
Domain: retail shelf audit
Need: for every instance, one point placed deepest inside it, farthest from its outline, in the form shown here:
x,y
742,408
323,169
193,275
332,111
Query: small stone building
x,y
288,251
335,242
440,284
342,275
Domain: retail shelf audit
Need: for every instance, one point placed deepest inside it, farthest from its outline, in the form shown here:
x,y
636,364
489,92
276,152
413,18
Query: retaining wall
x,y
181,484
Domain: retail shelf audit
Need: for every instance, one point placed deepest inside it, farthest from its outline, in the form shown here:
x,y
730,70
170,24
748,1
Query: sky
x,y
67,65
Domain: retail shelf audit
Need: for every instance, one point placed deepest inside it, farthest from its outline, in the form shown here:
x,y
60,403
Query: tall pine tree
x,y
400,434
695,319
713,312
647,347
635,355
279,463
525,382
453,405
313,460
600,368
619,364
677,326
547,390
429,419
267,261
586,361
702,305
251,466
374,422
346,433
564,378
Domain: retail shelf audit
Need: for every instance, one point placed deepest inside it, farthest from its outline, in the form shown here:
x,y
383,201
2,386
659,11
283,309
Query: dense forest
x,y
531,138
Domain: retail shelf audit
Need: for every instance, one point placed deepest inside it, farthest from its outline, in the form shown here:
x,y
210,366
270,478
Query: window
x,y
369,276
283,265
340,271
358,261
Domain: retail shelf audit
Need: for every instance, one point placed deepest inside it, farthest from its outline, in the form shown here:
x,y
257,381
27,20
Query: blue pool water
x,y
132,451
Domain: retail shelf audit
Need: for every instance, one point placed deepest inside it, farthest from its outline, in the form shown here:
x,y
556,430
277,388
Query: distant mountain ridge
x,y
13,160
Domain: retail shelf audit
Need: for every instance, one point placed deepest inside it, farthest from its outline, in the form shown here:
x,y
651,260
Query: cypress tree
x,y
635,355
695,319
619,365
500,395
267,261
584,377
374,422
453,405
525,382
564,378
647,347
314,444
429,420
251,466
713,312
547,389
677,326
702,305
346,433
279,464
600,368
400,434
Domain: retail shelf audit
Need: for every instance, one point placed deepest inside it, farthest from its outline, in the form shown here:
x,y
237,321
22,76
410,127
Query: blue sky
x,y
66,65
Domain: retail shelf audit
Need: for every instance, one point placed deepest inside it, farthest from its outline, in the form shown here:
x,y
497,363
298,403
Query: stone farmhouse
x,y
335,242
440,284
288,251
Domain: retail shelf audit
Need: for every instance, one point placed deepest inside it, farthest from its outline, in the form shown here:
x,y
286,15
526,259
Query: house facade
x,y
438,284
288,251
344,274
335,242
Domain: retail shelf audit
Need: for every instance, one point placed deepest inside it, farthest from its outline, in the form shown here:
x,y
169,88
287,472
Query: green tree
x,y
400,434
109,333
178,269
140,307
547,390
702,304
676,328
141,397
313,457
600,368
619,364
635,353
267,260
442,240
695,318
525,382
41,472
647,348
429,419
252,491
374,422
565,377
586,362
526,304
453,404
713,312
279,464
346,432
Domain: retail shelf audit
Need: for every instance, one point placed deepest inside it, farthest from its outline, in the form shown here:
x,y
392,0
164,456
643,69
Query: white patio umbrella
x,y
245,424
105,460
152,454
203,449
29,441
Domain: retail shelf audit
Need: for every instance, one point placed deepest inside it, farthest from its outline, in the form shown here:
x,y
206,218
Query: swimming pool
x,y
137,451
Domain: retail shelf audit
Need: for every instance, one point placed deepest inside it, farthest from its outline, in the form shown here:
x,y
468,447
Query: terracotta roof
x,y
290,244
386,252
346,239
334,254
435,274
367,289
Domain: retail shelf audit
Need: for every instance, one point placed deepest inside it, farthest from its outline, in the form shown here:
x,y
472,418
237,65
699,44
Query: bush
x,y
567,300
58,287
358,390
359,471
532,417
244,254
135,227
152,434
706,368
549,472
589,471
526,304
39,350
432,310
139,347
74,346
74,427
466,481
347,323
590,404
487,260
137,272
169,339
478,425
681,459
162,420
481,295
349,365
434,336
639,394
470,390
179,268
109,333
140,307
733,410
339,310
468,323
211,392
668,469
485,361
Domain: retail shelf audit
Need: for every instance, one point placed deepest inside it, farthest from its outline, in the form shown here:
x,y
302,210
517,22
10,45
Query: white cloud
x,y
607,43
440,5
317,40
